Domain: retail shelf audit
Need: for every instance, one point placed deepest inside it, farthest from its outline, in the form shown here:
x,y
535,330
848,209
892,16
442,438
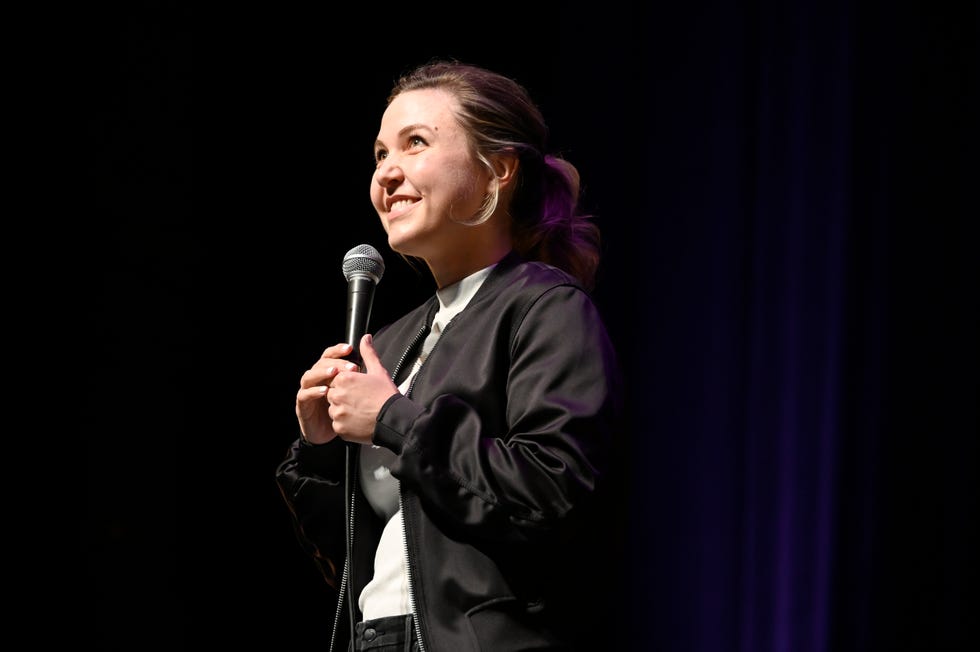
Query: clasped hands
x,y
336,400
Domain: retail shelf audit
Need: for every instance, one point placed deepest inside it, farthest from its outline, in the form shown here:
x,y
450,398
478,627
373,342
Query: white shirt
x,y
387,593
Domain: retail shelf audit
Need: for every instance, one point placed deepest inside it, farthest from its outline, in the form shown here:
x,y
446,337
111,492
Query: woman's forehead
x,y
429,107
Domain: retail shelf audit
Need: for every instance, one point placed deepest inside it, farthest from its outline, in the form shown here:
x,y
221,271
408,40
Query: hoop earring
x,y
489,205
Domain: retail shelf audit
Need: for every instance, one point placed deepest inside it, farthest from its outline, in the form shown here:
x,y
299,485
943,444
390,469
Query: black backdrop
x,y
786,195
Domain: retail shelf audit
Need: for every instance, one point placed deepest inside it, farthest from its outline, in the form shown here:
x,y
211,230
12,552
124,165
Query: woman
x,y
446,488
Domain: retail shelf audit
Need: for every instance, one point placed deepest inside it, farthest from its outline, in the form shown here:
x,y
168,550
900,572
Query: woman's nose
x,y
388,172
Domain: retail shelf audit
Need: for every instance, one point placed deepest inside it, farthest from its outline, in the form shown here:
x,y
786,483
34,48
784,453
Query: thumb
x,y
372,363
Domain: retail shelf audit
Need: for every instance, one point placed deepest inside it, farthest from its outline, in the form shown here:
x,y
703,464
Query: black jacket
x,y
503,445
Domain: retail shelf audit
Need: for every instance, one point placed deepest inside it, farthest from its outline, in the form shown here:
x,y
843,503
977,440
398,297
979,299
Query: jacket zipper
x,y
413,608
350,476
401,504
411,347
340,608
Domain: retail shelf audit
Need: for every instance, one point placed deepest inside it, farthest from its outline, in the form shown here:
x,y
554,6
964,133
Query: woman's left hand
x,y
356,398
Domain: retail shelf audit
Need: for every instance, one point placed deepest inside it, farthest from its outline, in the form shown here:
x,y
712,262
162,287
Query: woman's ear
x,y
505,167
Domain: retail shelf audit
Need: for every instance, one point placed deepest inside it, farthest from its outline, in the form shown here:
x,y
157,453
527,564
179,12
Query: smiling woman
x,y
448,488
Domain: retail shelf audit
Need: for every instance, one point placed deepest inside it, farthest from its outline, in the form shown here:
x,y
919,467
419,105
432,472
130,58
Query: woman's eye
x,y
414,141
380,155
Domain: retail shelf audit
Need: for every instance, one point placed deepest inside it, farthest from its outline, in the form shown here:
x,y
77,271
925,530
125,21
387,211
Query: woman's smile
x,y
400,207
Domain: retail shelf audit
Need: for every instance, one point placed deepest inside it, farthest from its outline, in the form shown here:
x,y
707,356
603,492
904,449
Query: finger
x,y
372,363
337,350
307,394
322,373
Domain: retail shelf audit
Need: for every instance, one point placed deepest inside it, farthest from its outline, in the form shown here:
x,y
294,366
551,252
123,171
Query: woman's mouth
x,y
399,207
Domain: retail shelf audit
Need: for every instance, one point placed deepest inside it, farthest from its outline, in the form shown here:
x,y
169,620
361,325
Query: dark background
x,y
787,194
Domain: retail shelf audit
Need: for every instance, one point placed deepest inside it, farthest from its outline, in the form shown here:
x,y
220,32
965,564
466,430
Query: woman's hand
x,y
312,408
356,398
336,399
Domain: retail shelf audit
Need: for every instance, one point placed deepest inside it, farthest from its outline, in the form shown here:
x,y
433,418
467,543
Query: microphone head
x,y
365,261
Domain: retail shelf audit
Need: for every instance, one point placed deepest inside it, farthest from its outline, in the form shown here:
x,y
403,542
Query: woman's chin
x,y
404,243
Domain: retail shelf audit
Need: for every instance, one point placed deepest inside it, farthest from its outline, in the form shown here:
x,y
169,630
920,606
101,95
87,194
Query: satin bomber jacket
x,y
502,443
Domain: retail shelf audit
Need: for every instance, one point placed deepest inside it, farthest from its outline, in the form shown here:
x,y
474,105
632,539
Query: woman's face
x,y
427,180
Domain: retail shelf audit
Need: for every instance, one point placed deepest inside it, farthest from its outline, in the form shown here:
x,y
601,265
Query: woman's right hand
x,y
311,399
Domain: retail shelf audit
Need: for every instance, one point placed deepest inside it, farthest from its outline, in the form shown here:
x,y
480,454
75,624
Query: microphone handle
x,y
360,297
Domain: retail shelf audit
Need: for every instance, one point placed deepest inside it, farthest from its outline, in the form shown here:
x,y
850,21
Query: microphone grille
x,y
364,260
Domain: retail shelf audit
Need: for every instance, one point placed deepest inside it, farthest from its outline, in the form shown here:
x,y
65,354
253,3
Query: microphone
x,y
363,269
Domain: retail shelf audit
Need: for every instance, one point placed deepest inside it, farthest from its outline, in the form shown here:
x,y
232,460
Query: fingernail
x,y
349,366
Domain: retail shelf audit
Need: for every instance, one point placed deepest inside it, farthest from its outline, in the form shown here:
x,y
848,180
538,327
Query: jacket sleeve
x,y
517,475
311,480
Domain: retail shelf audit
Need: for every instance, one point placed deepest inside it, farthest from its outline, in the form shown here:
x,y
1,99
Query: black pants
x,y
390,634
